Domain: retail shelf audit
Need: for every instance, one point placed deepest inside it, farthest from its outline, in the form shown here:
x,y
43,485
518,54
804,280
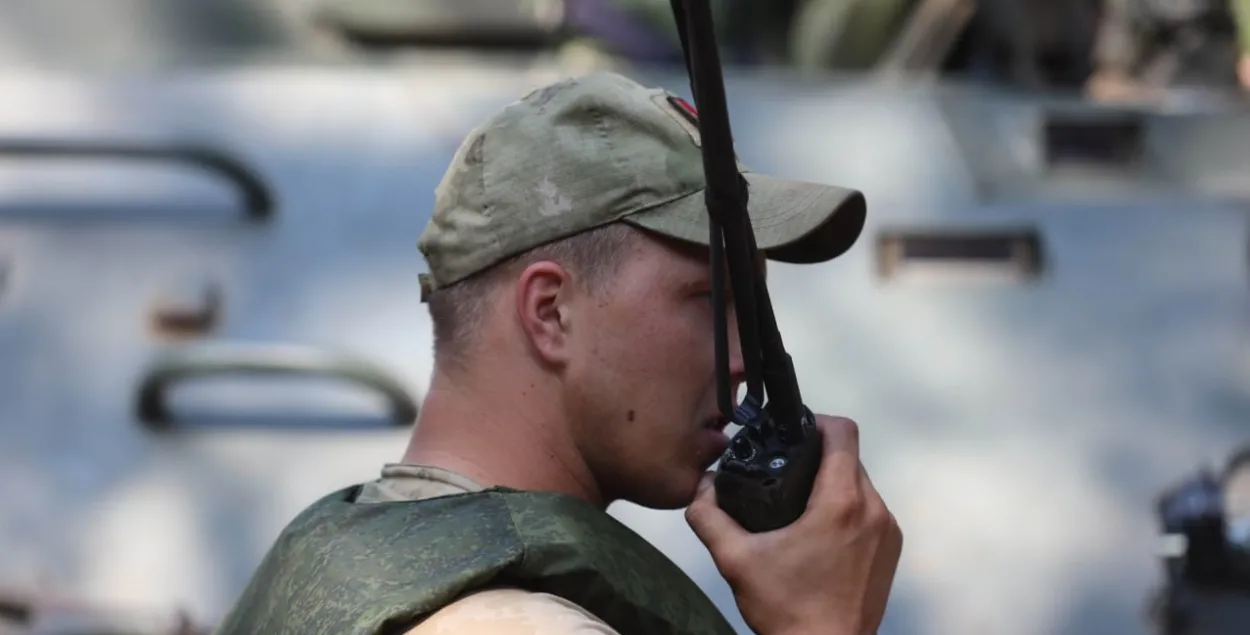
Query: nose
x,y
737,367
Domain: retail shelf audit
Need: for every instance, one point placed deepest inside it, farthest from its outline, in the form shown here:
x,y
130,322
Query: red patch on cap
x,y
685,108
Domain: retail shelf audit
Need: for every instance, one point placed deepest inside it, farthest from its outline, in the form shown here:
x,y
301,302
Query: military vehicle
x,y
209,309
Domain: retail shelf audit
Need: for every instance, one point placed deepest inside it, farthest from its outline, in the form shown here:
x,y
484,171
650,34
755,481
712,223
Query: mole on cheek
x,y
630,415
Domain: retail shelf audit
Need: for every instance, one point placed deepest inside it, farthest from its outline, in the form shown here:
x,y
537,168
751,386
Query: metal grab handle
x,y
255,359
257,194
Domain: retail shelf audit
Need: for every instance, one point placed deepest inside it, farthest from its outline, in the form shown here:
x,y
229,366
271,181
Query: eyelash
x,y
707,295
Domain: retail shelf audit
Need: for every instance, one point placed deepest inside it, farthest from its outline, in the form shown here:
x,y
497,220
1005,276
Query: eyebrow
x,y
705,280
692,284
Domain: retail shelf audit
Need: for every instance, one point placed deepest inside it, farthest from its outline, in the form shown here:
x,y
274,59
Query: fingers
x,y
888,557
709,522
840,470
843,494
873,510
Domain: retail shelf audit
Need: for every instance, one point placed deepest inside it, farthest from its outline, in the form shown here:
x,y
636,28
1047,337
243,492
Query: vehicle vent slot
x,y
1102,142
990,254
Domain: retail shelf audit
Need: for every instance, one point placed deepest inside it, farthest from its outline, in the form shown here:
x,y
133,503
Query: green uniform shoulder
x,y
369,568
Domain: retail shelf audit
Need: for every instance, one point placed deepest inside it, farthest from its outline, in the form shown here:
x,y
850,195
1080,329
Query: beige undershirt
x,y
498,611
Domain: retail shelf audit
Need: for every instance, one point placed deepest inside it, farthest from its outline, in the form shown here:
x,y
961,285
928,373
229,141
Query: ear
x,y
543,291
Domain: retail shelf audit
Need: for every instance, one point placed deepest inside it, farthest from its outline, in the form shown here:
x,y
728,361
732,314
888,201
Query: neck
x,y
499,433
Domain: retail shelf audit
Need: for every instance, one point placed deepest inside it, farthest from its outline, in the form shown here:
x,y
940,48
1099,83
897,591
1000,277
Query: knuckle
x,y
878,517
696,514
731,559
841,426
848,509
875,509
735,578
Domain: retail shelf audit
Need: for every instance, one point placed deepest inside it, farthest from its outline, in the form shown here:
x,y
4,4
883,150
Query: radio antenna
x,y
766,475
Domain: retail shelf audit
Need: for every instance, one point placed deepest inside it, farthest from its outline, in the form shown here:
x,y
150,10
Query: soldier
x,y
1147,46
574,366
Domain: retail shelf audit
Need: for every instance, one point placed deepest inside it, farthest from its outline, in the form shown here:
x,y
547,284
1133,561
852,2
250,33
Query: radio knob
x,y
742,449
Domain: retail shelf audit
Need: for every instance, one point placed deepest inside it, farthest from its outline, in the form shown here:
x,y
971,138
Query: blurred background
x,y
210,317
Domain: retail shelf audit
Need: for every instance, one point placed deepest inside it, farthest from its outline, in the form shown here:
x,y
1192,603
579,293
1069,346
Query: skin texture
x,y
831,570
605,396
600,394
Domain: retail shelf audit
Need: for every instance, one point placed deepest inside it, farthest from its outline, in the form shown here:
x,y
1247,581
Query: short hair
x,y
459,310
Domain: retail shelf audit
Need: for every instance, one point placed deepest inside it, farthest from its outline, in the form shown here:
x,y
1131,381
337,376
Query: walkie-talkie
x,y
766,475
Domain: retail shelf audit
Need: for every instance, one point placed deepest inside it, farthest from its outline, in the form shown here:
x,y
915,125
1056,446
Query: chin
x,y
676,492
664,503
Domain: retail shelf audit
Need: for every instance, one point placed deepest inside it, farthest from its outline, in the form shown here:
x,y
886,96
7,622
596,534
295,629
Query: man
x,y
574,366
1145,47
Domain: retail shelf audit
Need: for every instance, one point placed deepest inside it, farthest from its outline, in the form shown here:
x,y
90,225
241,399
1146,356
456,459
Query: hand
x,y
831,570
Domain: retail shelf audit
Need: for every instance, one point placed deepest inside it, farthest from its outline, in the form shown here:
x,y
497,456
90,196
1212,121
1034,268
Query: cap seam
x,y
645,190
485,165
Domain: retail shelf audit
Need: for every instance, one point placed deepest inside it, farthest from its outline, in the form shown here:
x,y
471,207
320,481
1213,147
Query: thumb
x,y
709,522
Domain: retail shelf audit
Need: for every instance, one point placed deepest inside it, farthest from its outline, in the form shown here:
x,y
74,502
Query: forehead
x,y
694,258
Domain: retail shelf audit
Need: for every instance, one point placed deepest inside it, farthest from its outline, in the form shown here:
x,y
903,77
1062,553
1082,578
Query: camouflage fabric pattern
x,y
372,568
600,148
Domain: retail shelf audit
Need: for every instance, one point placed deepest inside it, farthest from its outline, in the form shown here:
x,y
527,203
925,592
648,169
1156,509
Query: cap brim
x,y
794,221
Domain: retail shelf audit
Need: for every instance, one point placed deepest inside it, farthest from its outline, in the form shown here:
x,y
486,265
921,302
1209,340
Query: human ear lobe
x,y
542,310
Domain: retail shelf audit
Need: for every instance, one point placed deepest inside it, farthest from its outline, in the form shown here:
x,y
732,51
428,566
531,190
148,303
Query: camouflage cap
x,y
601,148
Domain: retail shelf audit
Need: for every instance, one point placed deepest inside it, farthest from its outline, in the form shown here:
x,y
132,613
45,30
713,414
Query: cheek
x,y
648,360
673,348
679,369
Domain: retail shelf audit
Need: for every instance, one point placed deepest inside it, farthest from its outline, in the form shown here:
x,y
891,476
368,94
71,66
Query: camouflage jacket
x,y
371,568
